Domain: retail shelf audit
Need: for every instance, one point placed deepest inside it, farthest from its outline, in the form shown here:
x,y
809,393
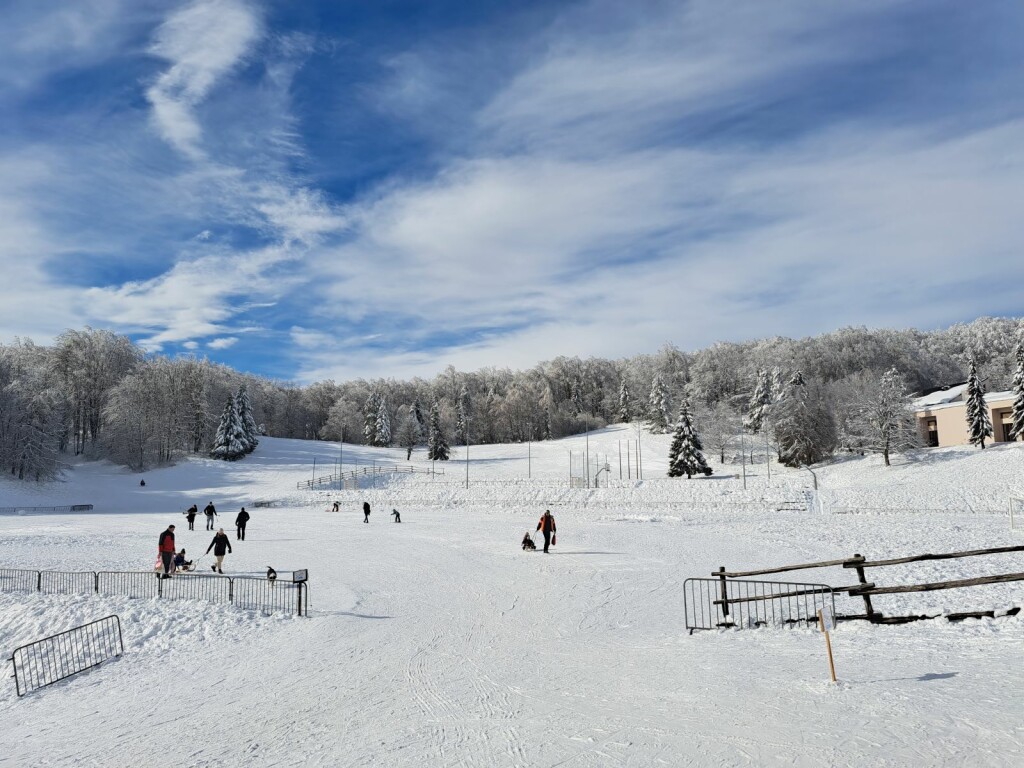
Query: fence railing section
x,y
716,603
68,508
382,469
865,589
55,658
248,592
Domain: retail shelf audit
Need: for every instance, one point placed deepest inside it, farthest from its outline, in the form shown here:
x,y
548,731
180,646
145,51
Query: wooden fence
x,y
866,589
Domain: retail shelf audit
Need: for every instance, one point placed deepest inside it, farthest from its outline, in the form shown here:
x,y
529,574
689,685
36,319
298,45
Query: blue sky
x,y
314,190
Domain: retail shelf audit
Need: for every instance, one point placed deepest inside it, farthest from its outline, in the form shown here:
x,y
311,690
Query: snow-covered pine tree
x,y
370,409
437,443
461,416
1017,428
246,419
685,455
760,402
804,425
659,406
382,428
625,406
577,396
979,422
230,443
421,421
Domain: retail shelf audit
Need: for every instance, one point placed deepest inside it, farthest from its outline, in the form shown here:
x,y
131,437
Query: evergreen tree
x,y
382,424
246,420
625,406
659,406
1017,429
979,422
804,425
462,416
437,443
230,443
370,410
577,396
421,421
760,402
685,455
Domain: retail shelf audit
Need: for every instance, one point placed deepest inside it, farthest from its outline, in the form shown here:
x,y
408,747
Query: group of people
x,y
547,528
171,559
366,512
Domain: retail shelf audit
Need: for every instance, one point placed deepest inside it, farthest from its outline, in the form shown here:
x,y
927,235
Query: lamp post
x,y
467,452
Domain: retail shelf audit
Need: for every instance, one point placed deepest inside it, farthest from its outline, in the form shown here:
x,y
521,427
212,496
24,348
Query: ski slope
x,y
438,642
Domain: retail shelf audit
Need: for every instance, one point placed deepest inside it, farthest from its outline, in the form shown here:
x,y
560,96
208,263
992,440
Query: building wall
x,y
951,422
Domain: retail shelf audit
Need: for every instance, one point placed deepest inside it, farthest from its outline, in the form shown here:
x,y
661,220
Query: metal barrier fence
x,y
248,592
717,603
55,658
68,508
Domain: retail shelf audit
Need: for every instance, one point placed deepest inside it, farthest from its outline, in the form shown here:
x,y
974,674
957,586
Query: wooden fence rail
x,y
865,589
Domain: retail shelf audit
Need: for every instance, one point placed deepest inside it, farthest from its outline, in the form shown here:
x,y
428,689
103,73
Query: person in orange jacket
x,y
547,527
166,550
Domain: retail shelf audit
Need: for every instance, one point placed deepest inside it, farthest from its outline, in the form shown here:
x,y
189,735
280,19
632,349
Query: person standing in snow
x,y
398,517
240,521
336,507
220,545
190,515
366,511
166,550
547,527
210,511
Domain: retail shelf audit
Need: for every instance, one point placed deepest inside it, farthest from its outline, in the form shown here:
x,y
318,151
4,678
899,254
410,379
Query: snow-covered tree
x,y
760,401
437,443
462,416
658,410
882,420
625,406
408,432
805,428
685,455
370,410
382,429
230,443
246,419
719,423
421,421
979,422
1017,428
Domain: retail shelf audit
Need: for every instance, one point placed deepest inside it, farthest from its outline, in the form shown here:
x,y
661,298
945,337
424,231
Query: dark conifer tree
x,y
685,455
230,443
979,422
1017,429
437,443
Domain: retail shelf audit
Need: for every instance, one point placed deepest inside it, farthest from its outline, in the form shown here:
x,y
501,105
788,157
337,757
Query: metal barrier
x,y
249,592
55,658
717,603
68,508
17,580
67,582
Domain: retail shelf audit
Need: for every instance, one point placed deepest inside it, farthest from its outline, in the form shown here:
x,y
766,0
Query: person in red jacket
x,y
547,527
166,549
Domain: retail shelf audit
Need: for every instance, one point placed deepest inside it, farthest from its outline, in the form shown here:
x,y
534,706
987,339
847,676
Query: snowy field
x,y
439,642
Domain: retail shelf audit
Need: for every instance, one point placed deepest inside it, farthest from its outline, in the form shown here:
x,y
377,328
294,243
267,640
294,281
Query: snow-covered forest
x,y
94,392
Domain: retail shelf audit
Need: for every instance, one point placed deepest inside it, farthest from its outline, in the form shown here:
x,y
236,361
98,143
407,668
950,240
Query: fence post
x,y
159,585
96,582
858,558
300,586
724,590
231,590
39,581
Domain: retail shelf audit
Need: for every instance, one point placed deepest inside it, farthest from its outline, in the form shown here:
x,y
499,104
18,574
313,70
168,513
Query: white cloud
x,y
223,342
202,42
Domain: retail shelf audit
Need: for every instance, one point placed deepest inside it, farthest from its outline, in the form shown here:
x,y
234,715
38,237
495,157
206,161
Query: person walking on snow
x,y
220,545
166,550
547,527
210,511
240,521
366,511
190,515
397,516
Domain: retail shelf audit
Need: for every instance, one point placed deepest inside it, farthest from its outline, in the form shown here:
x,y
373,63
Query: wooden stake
x,y
828,645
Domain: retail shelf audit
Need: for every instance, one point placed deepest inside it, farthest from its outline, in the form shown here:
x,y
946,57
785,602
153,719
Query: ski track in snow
x,y
438,642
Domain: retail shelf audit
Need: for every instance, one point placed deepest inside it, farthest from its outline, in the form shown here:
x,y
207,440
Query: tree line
x,y
95,393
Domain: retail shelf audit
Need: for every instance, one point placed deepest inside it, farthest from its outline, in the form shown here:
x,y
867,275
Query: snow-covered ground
x,y
439,642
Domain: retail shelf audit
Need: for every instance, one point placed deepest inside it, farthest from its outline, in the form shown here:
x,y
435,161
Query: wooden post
x,y
863,580
724,591
828,645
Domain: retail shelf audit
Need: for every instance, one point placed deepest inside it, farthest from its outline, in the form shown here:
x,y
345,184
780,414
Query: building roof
x,y
948,398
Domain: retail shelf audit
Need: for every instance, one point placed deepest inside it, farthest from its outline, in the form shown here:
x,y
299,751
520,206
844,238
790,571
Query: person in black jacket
x,y
190,515
547,527
366,511
240,521
220,545
210,511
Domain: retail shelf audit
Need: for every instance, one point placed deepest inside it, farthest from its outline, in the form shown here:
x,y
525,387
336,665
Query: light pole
x,y
743,459
467,452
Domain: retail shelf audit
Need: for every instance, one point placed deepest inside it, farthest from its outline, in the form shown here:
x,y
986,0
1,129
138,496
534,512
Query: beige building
x,y
942,416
